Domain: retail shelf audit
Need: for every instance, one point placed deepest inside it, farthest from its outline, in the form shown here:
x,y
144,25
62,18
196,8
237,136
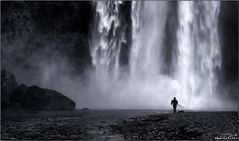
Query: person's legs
x,y
174,109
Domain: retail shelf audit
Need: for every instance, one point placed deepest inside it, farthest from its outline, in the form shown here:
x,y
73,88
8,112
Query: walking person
x,y
174,102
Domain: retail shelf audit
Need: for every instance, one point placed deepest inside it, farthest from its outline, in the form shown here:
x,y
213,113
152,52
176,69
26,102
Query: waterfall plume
x,y
197,53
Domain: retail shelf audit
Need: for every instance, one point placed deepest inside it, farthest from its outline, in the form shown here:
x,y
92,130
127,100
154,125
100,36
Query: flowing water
x,y
107,39
148,31
145,85
199,50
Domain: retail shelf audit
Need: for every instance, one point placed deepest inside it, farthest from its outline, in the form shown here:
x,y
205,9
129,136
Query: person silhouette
x,y
174,102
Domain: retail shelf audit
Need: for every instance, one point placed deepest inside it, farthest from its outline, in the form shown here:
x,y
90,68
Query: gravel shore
x,y
118,125
181,126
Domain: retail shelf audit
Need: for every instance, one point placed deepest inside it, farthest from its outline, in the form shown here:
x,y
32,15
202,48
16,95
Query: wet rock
x,y
44,99
31,98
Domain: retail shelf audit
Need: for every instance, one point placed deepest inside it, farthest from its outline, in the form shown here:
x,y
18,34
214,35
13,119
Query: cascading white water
x,y
148,22
146,81
198,51
106,40
197,58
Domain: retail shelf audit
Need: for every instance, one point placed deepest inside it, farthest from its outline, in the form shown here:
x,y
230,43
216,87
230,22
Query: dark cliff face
x,y
228,33
47,17
228,30
46,28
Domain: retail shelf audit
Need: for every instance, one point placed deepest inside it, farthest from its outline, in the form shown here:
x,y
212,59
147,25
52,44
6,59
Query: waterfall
x,y
198,54
148,22
106,38
198,50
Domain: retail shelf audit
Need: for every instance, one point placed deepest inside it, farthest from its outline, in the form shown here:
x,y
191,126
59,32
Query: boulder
x,y
36,98
31,98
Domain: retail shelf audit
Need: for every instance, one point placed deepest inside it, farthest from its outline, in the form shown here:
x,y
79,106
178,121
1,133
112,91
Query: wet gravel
x,y
117,125
63,125
181,126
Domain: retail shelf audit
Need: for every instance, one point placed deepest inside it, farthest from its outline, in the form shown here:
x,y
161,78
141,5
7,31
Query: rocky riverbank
x,y
190,126
62,125
118,125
